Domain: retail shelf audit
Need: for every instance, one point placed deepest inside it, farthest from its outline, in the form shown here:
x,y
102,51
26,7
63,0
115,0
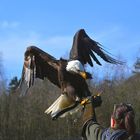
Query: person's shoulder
x,y
136,136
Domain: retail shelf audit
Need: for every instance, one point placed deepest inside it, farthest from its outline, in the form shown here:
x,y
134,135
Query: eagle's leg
x,y
61,81
61,77
63,87
71,93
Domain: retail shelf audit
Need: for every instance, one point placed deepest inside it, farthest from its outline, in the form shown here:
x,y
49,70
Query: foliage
x,y
14,83
2,81
137,66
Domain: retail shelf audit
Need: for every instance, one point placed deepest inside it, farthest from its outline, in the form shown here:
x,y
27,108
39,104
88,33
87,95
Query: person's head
x,y
123,118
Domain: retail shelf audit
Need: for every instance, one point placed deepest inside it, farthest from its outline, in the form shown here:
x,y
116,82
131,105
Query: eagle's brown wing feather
x,y
84,47
39,64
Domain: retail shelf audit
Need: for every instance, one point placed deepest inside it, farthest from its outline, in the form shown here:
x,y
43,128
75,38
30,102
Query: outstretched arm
x,y
90,105
91,128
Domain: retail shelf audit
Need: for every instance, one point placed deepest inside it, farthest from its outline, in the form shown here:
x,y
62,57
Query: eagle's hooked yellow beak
x,y
83,74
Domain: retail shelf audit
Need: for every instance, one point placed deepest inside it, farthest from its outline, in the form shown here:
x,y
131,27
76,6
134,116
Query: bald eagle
x,y
68,75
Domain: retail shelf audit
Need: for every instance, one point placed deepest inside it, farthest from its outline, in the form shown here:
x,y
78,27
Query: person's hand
x,y
97,101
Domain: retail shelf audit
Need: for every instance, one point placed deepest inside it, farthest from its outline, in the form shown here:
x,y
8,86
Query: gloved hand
x,y
96,100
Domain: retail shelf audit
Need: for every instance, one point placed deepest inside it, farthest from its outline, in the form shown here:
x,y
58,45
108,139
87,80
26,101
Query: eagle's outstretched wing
x,y
38,64
84,47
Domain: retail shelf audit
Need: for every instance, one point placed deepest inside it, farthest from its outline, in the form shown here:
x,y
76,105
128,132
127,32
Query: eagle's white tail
x,y
62,102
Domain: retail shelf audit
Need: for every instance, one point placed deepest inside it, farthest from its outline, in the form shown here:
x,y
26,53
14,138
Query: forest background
x,y
23,118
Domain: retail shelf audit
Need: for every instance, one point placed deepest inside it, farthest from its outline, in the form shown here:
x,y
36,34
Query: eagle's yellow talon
x,y
84,101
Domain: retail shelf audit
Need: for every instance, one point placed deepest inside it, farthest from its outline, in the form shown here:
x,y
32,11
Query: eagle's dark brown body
x,y
72,83
54,70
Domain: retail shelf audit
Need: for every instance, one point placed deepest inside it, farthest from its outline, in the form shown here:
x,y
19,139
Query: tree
x,y
137,66
2,80
13,84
